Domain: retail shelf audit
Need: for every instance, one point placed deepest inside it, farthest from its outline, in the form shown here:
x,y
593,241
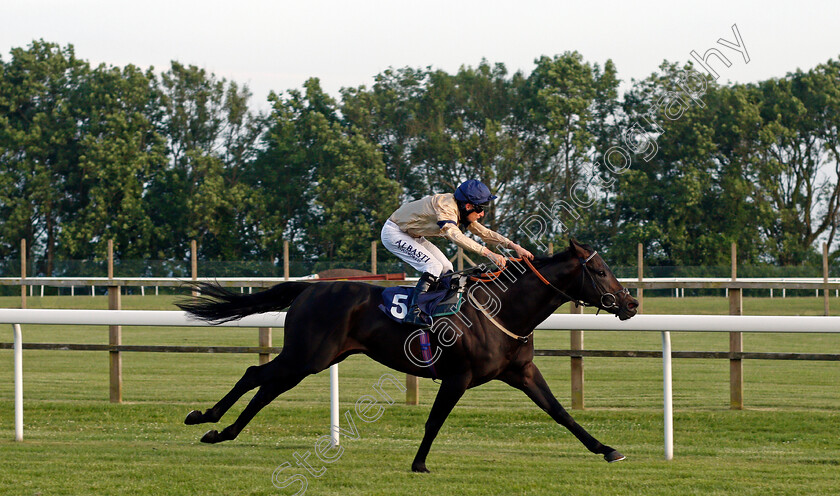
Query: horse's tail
x,y
217,304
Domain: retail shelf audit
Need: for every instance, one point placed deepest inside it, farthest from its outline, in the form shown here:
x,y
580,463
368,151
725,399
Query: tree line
x,y
154,159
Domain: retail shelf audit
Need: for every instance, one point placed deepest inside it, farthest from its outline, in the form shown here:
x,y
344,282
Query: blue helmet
x,y
475,192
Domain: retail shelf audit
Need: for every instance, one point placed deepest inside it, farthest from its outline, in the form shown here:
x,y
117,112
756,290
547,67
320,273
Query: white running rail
x,y
650,323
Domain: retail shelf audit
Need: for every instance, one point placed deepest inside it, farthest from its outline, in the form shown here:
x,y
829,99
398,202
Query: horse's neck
x,y
528,301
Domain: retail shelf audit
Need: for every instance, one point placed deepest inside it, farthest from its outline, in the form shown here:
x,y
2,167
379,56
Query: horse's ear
x,y
575,247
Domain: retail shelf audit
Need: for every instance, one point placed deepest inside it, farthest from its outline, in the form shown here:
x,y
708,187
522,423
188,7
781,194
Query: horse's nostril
x,y
633,304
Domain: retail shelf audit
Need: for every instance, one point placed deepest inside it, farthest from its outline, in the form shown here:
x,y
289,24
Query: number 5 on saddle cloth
x,y
444,298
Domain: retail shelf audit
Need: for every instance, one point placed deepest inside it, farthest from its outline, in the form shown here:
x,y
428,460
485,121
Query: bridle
x,y
608,300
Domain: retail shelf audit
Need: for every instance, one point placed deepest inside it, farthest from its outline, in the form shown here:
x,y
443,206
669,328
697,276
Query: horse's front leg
x,y
451,390
529,380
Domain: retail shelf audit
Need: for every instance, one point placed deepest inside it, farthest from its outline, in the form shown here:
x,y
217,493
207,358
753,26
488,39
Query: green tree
x,y
569,122
528,138
387,115
39,145
321,183
461,131
278,182
211,139
354,196
666,199
800,160
120,151
735,208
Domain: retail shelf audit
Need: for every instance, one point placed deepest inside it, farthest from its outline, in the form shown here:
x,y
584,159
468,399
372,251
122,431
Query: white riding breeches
x,y
420,253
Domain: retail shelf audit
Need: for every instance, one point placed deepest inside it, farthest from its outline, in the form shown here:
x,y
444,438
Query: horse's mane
x,y
561,256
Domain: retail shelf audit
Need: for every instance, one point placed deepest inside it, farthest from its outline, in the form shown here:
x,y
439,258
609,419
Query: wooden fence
x,y
733,286
681,323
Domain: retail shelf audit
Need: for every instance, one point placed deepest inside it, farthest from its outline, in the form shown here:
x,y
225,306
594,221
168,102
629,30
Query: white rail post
x,y
334,404
668,400
18,383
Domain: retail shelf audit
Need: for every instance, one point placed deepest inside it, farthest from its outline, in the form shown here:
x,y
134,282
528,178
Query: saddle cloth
x,y
436,302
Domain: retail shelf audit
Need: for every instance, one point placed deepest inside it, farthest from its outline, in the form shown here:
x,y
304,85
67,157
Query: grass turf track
x,y
495,442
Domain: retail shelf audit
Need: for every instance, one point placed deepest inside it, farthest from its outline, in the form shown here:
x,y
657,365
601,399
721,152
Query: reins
x,y
486,277
492,276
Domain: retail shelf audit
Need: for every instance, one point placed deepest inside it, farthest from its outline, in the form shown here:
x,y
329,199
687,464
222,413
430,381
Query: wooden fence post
x,y
577,363
460,265
412,389
373,257
550,249
265,342
114,333
825,278
736,342
286,260
22,273
193,260
576,338
640,291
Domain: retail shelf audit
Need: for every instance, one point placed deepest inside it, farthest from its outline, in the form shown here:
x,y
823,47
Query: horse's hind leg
x,y
281,371
264,396
254,376
308,350
284,378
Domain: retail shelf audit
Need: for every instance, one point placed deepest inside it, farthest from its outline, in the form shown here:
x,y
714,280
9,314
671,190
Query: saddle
x,y
444,298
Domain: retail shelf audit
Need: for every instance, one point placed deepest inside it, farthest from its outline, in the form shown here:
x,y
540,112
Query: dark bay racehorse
x,y
328,321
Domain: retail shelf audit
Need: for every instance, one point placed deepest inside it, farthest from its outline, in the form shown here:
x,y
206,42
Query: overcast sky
x,y
276,45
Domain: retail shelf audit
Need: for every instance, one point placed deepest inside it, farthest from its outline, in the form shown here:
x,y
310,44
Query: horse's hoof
x,y
419,468
613,456
211,437
194,417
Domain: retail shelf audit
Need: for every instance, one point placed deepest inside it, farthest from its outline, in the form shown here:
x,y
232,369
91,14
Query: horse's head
x,y
597,284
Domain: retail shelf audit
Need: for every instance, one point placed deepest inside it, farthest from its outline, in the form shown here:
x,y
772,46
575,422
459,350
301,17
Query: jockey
x,y
404,234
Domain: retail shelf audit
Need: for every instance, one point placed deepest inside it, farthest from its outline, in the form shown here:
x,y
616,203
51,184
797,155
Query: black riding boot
x,y
414,315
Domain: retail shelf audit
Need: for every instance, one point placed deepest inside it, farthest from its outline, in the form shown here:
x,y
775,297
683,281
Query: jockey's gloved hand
x,y
497,259
522,252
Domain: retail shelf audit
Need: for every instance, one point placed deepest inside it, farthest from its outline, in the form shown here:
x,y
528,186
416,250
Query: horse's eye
x,y
602,273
